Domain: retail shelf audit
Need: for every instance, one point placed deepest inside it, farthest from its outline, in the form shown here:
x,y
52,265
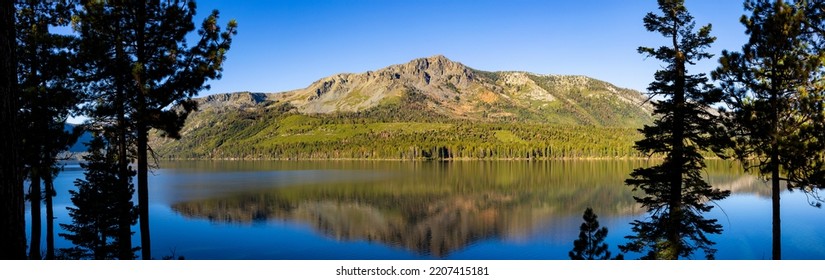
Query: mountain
x,y
456,91
430,105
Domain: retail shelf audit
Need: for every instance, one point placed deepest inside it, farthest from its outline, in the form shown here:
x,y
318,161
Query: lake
x,y
430,210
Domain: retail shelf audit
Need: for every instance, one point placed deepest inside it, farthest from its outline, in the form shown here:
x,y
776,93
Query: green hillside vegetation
x,y
427,109
389,131
584,104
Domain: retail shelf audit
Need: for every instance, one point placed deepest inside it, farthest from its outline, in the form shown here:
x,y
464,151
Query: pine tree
x,y
48,97
590,245
104,70
12,220
154,71
810,170
96,216
774,91
675,195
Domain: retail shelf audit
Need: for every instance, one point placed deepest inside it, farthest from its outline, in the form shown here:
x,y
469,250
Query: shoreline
x,y
427,160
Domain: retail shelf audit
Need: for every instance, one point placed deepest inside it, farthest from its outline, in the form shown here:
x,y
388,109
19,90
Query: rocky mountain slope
x,y
426,108
456,91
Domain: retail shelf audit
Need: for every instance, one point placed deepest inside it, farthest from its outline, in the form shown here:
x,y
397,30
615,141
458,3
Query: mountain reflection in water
x,y
432,208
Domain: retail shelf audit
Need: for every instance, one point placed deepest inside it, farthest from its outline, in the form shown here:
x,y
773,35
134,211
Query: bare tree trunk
x,y
125,212
777,224
774,165
125,216
34,198
50,193
143,195
142,145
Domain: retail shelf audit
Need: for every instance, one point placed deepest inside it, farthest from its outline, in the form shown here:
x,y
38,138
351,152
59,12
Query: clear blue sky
x,y
285,45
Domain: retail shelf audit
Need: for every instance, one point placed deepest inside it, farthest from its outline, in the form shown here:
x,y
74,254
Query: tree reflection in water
x,y
437,208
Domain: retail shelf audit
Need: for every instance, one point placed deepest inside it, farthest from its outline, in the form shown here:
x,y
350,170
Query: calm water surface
x,y
430,210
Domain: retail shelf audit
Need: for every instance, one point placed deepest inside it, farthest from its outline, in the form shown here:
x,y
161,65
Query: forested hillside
x,y
430,108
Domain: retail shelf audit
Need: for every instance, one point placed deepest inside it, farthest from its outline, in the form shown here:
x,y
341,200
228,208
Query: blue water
x,y
335,211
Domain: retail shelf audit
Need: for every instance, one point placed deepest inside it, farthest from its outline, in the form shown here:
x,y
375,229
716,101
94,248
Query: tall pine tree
x,y
141,65
48,95
674,193
773,88
12,219
95,227
104,72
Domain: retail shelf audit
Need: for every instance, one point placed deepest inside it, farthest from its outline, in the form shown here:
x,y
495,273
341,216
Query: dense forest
x,y
389,133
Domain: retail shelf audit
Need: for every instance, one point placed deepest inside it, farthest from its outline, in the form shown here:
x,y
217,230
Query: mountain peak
x,y
436,65
434,59
439,58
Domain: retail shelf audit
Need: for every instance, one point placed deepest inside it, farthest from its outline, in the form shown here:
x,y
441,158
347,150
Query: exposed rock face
x,y
437,77
457,91
520,84
235,100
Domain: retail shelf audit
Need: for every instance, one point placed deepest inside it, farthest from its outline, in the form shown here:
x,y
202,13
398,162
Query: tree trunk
x,y
142,130
34,198
12,205
50,193
777,224
774,166
125,212
143,195
674,249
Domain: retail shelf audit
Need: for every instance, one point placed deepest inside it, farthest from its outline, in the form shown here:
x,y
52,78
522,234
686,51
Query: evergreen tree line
x,y
124,63
773,122
294,136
